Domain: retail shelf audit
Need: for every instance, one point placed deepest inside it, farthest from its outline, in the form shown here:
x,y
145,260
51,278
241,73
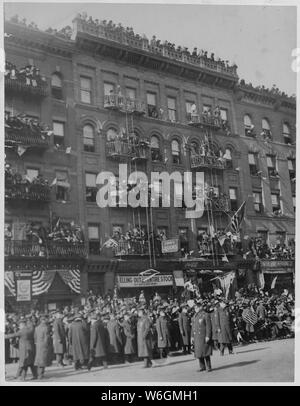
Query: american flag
x,y
71,278
249,316
238,217
111,243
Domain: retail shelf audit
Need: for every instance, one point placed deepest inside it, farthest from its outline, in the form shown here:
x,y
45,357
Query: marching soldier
x,y
79,341
224,328
99,342
59,338
115,338
163,334
201,335
129,347
144,338
43,344
185,330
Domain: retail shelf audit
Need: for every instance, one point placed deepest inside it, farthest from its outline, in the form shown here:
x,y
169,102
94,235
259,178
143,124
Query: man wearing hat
x,y
59,338
130,344
43,344
115,338
201,336
79,341
224,327
26,350
185,329
144,337
99,341
163,333
212,310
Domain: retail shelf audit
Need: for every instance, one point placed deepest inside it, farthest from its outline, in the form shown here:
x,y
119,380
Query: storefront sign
x,y
135,281
168,246
277,264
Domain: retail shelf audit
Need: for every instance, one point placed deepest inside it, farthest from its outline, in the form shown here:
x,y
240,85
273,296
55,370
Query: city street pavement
x,y
271,361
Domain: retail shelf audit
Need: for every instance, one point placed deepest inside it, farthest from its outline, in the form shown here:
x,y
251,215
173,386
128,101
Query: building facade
x,y
110,97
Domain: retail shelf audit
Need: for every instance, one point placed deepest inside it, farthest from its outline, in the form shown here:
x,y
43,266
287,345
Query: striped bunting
x,y
71,278
41,281
9,282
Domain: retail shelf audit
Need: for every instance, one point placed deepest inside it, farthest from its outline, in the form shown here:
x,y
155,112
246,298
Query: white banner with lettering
x,y
136,281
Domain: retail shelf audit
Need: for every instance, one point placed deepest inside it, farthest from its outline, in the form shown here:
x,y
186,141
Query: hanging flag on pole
x,y
111,243
238,217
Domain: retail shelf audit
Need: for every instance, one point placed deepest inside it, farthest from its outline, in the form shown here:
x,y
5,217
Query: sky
x,y
259,39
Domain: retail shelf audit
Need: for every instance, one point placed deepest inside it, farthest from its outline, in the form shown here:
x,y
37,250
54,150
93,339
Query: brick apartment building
x,y
97,82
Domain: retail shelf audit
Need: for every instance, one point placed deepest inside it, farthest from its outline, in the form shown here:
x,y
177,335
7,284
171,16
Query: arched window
x,y
56,86
88,138
228,157
175,152
248,125
111,134
266,128
265,124
155,149
286,132
194,148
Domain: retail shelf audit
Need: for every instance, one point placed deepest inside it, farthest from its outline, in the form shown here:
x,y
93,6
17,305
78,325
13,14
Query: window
x,y
155,149
257,199
111,134
94,239
275,202
271,164
292,169
90,187
248,126
175,152
183,239
233,198
151,103
228,157
109,88
294,203
286,132
85,90
62,186
252,164
172,109
130,93
194,148
191,109
162,232
56,86
157,191
178,194
59,134
280,237
224,115
32,173
88,138
263,234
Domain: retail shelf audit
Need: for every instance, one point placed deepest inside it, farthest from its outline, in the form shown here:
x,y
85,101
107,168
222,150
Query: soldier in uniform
x,y
115,338
201,336
79,341
26,349
163,334
224,328
43,342
185,329
59,338
99,342
214,317
130,345
144,338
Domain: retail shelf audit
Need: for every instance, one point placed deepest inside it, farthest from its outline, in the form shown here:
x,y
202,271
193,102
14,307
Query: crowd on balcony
x,y
26,127
18,186
259,248
157,46
110,330
274,91
29,75
136,241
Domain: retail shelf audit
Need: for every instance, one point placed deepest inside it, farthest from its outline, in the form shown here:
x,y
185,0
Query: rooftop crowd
x,y
108,329
274,91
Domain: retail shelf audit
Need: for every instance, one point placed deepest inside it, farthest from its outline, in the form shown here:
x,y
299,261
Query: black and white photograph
x,y
149,194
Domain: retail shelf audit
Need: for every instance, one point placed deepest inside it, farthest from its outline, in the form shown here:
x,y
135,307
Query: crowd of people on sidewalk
x,y
108,329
